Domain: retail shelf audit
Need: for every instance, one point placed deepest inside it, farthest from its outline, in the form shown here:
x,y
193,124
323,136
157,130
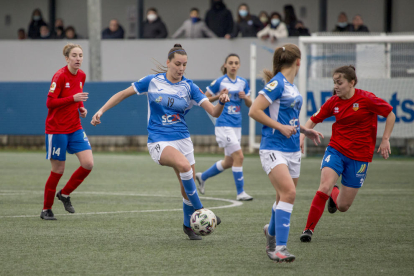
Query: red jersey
x,y
64,117
355,131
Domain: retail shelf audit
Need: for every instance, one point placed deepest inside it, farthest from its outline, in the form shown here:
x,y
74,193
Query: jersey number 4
x,y
328,158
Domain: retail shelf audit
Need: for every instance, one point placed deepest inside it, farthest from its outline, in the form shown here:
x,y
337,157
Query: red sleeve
x,y
53,102
378,106
56,85
324,112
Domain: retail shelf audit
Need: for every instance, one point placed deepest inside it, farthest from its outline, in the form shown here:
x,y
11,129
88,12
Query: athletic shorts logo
x,y
362,169
52,87
355,107
271,86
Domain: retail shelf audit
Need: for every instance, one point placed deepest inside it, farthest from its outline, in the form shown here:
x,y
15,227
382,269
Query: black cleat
x,y
66,202
331,204
218,220
47,215
190,233
306,235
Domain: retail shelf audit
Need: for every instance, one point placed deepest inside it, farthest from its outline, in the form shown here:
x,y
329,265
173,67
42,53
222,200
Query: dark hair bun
x,y
178,46
352,67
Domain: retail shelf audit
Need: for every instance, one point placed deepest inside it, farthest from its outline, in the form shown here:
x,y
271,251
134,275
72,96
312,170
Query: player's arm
x,y
113,101
257,112
215,111
385,147
246,98
310,133
213,98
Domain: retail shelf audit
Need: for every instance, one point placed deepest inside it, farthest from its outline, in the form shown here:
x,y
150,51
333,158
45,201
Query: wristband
x,y
220,102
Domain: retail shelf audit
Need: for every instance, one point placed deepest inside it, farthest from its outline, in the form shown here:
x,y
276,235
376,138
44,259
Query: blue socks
x,y
188,210
282,222
190,189
272,223
238,178
212,171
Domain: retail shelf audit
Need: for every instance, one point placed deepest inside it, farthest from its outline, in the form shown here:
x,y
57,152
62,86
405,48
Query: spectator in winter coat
x,y
219,19
153,26
114,30
35,24
358,25
300,30
342,25
276,29
194,27
247,24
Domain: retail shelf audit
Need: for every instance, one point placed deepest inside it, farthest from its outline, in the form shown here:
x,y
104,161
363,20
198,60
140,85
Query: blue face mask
x,y
342,24
275,21
195,19
243,13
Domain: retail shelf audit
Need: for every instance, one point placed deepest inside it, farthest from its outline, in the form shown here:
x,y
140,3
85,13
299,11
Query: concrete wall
x,y
173,13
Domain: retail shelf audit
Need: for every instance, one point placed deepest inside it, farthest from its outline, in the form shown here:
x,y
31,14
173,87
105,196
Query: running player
x,y
228,125
277,107
64,130
170,96
351,146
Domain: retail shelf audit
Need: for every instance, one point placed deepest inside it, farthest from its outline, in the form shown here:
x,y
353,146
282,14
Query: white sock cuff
x,y
187,202
237,169
274,206
287,207
187,175
219,165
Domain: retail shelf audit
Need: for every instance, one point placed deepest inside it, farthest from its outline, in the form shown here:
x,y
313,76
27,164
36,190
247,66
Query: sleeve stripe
x,y
267,97
133,85
203,100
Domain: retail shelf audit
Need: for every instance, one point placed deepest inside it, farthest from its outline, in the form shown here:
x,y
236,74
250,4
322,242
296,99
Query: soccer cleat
x,y
243,196
190,233
47,215
306,235
270,241
66,202
331,204
218,220
281,256
200,183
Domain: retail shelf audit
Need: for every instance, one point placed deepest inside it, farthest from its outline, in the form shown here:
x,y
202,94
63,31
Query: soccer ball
x,y
203,222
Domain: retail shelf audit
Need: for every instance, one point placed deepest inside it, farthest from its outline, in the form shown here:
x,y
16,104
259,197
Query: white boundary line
x,y
234,203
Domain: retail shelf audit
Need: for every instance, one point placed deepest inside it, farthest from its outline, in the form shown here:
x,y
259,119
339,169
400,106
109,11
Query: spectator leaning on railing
x,y
358,24
194,27
35,24
219,19
247,24
342,25
114,31
275,30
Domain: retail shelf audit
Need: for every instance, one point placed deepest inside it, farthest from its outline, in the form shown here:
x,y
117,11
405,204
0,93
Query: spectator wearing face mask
x,y
35,24
276,29
247,24
114,31
358,24
153,26
342,24
219,19
264,18
59,32
194,27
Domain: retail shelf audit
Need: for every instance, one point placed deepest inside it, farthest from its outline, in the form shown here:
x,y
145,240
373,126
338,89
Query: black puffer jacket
x,y
219,19
155,29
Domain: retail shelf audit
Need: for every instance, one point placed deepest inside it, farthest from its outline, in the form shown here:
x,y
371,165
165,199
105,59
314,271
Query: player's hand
x,y
83,111
314,136
224,91
242,95
80,97
385,148
302,142
288,131
224,98
96,119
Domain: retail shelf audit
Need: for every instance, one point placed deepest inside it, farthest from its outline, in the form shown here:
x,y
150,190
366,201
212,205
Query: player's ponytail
x,y
68,47
223,68
283,57
348,72
177,49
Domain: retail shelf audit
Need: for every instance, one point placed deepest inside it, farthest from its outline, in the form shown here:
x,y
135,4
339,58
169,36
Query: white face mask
x,y
275,21
151,17
342,24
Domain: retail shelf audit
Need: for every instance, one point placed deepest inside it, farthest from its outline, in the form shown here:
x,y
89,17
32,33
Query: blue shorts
x,y
353,172
58,144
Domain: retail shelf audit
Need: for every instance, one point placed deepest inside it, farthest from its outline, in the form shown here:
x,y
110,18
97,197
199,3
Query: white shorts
x,y
272,158
185,146
228,138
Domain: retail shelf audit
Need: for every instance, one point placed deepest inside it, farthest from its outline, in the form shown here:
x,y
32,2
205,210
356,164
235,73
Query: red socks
x,y
316,209
50,190
334,195
75,180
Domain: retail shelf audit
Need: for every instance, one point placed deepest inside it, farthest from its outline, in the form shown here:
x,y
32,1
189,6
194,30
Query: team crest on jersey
x,y
158,100
271,86
214,81
355,107
316,113
67,85
336,110
52,87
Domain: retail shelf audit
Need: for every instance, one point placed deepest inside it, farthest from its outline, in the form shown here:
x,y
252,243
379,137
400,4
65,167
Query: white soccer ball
x,y
203,222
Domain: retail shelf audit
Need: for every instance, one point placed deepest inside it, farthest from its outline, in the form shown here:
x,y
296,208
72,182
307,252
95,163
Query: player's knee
x,y
343,207
87,165
227,164
183,166
59,170
324,187
289,195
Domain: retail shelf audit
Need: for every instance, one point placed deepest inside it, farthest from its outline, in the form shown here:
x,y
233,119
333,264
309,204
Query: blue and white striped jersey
x,y
285,104
231,115
167,104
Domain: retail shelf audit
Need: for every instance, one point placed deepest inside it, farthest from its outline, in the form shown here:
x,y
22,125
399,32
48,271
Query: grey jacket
x,y
194,30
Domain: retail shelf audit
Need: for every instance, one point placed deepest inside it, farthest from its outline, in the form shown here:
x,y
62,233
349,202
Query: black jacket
x,y
248,28
219,19
155,29
361,29
347,28
107,34
34,28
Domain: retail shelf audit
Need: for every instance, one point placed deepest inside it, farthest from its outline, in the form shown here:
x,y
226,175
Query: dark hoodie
x,y
219,19
155,29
